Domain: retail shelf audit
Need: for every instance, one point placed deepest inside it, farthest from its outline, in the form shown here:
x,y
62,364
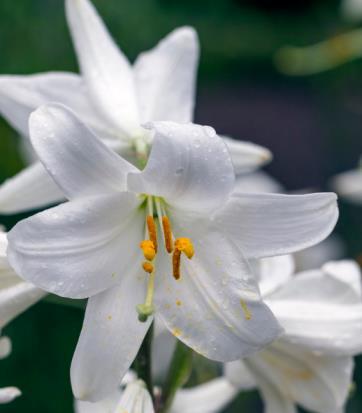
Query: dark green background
x,y
313,126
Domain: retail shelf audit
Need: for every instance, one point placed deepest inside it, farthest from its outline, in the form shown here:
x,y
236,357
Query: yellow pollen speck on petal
x,y
109,317
148,248
176,332
247,313
166,225
113,274
151,226
178,302
148,267
185,245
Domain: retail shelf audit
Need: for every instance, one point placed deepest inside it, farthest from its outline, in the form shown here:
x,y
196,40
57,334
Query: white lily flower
x,y
111,97
311,365
349,185
352,10
90,245
134,399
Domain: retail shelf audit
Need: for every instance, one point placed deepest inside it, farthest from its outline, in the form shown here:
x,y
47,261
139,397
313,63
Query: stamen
x,y
152,231
176,264
168,233
181,245
147,266
148,248
147,309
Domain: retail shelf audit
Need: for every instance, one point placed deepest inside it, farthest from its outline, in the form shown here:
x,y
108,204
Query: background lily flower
x,y
311,364
111,97
349,185
88,247
133,399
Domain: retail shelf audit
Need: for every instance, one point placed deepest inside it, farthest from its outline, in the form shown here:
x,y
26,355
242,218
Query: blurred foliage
x,y
239,39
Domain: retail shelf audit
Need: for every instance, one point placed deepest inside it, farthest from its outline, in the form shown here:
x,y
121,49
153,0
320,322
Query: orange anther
x,y
151,226
168,233
185,245
148,248
147,266
176,263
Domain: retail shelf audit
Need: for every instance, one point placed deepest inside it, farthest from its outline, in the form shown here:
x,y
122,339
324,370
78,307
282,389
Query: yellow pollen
x,y
148,248
147,266
185,245
178,302
151,226
168,233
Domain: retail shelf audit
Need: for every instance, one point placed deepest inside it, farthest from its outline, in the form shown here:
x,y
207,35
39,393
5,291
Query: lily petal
x,y
349,185
347,271
189,165
320,312
76,159
106,71
273,272
110,339
318,383
265,225
16,299
8,394
215,306
246,156
30,189
5,347
136,399
21,95
166,75
238,374
79,248
210,397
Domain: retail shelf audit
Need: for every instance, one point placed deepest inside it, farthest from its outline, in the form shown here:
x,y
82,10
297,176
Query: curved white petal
x,y
189,166
5,347
166,75
273,272
257,182
107,405
29,189
272,224
318,383
320,312
16,299
8,394
215,306
110,338
210,397
246,156
80,247
107,72
349,185
21,95
347,271
239,375
78,161
135,399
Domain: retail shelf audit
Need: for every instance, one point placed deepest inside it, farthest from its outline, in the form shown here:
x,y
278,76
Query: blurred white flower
x,y
7,394
311,364
111,97
89,245
349,185
352,9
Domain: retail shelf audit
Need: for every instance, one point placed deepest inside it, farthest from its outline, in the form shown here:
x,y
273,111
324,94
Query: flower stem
x,y
178,374
143,362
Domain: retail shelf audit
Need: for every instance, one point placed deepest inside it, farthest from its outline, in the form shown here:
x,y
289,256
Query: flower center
x,y
149,247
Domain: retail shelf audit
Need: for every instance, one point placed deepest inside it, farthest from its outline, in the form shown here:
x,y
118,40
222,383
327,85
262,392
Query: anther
x,y
147,266
185,245
151,226
168,233
148,248
176,264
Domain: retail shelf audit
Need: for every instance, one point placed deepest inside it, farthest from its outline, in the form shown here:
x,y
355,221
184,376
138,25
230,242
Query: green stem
x,y
178,374
143,362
